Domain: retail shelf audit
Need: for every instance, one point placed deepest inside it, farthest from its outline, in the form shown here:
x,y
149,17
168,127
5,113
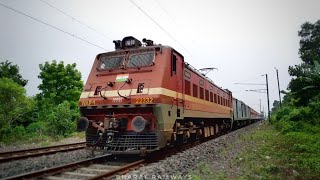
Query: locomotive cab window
x,y
109,63
140,60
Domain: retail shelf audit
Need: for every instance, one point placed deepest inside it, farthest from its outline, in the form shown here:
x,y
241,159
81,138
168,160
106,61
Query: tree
x,y
62,120
13,102
310,43
305,84
276,105
59,83
7,70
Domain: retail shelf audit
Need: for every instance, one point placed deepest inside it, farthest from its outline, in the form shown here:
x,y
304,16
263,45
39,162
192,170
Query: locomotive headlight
x,y
130,42
82,124
138,123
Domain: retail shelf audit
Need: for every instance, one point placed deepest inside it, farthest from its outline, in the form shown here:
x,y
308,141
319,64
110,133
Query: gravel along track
x,y
211,152
42,162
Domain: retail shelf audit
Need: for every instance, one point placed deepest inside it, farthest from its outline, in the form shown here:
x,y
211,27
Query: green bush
x,y
62,120
40,128
282,112
11,135
285,126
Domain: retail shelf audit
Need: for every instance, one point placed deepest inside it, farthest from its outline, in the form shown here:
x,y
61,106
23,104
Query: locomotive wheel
x,y
182,138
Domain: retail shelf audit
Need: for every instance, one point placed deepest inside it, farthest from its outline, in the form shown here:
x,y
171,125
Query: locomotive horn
x,y
82,124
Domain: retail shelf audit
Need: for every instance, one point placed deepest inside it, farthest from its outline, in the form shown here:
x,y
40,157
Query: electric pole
x,y
268,96
278,85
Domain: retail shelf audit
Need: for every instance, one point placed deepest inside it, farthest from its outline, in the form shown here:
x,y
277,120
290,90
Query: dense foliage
x,y
61,121
13,104
305,85
299,117
52,113
60,83
7,70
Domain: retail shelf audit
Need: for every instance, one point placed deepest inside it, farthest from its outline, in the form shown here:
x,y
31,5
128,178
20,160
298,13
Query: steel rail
x,y
58,169
122,169
26,153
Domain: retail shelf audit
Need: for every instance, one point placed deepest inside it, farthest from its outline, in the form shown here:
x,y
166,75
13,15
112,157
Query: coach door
x,y
177,72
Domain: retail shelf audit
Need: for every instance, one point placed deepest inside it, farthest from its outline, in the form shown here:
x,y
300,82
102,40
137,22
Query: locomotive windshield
x,y
108,63
139,60
133,60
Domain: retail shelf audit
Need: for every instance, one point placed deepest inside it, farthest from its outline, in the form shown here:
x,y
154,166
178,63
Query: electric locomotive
x,y
143,97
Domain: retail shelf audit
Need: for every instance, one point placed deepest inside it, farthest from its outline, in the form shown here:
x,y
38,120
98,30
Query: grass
x,y
269,154
13,139
204,171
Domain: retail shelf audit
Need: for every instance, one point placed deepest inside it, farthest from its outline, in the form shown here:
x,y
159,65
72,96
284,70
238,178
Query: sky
x,y
244,39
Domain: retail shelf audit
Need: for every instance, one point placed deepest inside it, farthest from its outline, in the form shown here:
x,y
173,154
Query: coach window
x,y
195,90
187,87
173,65
211,97
201,93
207,95
215,98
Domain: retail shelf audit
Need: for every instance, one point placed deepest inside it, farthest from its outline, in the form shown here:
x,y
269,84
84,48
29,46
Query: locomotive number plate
x,y
88,103
144,100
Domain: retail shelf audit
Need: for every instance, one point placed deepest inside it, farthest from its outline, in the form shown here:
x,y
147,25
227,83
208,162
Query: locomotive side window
x,y
173,65
207,95
108,63
195,90
187,87
201,93
140,60
187,74
211,97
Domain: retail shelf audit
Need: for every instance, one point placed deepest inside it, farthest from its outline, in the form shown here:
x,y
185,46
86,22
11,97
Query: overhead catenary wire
x,y
54,27
165,11
73,18
163,29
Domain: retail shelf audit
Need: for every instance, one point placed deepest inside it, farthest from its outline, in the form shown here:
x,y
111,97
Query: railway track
x,y
94,168
26,153
100,167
